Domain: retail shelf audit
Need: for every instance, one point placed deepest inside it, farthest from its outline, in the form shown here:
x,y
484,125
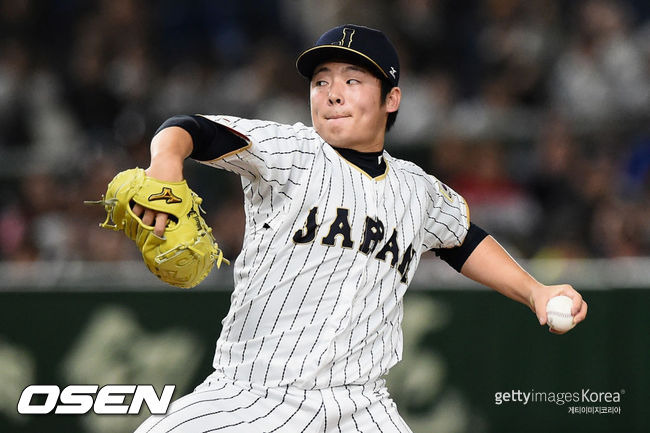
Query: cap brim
x,y
308,60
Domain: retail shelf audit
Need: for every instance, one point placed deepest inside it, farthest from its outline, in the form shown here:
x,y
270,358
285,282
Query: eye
x,y
319,83
353,81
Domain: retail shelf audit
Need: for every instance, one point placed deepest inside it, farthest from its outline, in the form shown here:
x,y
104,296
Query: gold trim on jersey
x,y
380,177
238,134
468,220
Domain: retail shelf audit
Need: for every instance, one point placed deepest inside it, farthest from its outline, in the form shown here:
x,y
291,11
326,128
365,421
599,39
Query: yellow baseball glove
x,y
184,256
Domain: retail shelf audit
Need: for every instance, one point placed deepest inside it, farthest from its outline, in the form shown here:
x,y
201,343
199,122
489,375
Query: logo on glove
x,y
167,195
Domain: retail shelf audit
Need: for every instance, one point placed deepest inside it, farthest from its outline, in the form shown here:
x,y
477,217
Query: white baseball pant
x,y
222,405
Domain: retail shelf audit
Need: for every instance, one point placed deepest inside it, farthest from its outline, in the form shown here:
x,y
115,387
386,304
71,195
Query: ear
x,y
393,99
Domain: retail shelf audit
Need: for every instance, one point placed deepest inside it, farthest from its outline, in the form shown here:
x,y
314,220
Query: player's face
x,y
346,106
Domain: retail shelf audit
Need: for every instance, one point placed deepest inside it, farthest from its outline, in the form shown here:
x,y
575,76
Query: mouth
x,y
337,116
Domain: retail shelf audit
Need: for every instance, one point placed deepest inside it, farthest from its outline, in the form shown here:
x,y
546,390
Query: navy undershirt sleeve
x,y
457,256
210,140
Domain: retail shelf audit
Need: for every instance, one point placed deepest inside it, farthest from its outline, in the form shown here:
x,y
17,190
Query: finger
x,y
582,313
577,304
161,223
566,290
138,210
576,297
148,217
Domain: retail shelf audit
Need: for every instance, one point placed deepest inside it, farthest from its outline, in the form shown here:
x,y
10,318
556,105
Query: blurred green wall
x,y
461,347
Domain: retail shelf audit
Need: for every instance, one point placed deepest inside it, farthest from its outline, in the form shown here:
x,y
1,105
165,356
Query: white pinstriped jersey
x,y
327,256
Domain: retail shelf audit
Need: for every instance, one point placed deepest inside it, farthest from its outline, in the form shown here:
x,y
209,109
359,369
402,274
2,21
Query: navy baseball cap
x,y
356,44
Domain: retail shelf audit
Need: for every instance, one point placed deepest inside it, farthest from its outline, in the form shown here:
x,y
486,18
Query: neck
x,y
377,146
371,162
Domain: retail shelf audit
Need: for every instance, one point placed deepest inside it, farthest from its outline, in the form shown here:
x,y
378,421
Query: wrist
x,y
165,169
534,290
169,149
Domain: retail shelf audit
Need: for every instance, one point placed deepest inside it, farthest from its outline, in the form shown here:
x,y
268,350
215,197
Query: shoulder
x,y
409,169
257,129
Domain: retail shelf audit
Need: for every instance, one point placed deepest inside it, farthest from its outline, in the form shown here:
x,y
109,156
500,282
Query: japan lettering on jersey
x,y
327,256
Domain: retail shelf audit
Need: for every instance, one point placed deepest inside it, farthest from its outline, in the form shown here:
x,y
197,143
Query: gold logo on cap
x,y
347,36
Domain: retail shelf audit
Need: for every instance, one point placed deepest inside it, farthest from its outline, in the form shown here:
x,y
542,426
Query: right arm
x,y
226,142
169,148
178,138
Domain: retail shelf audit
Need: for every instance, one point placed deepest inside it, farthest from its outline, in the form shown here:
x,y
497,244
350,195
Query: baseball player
x,y
335,227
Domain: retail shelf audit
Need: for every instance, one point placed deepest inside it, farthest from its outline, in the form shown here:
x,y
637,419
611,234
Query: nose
x,y
335,96
335,100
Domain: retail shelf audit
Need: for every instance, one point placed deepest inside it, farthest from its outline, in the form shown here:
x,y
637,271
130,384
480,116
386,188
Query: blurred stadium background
x,y
537,111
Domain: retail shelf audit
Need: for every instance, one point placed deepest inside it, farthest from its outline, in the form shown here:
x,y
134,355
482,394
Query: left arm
x,y
489,264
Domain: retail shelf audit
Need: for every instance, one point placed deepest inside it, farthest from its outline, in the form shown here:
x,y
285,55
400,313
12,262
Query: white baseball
x,y
558,313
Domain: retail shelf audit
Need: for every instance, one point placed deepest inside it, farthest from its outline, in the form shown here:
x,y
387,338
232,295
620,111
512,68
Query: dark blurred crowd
x,y
537,111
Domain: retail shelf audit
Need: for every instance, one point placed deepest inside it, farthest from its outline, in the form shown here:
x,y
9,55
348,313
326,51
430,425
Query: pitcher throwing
x,y
335,227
